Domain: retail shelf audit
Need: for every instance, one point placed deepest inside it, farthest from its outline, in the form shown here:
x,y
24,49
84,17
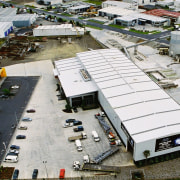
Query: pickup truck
x,y
83,135
78,128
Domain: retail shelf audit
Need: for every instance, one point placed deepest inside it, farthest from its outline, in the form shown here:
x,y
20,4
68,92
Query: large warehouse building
x,y
145,117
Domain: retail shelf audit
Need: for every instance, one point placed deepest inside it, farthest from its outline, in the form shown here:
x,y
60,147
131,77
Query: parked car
x,y
14,147
20,137
15,175
35,174
14,151
68,125
78,128
31,111
62,174
75,123
23,128
11,154
26,119
15,87
70,120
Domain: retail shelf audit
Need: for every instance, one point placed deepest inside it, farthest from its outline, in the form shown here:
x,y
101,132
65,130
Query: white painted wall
x,y
150,145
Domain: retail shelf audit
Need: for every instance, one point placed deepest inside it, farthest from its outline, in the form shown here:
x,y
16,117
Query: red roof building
x,y
163,13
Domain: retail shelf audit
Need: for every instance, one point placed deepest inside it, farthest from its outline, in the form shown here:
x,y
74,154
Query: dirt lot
x,y
54,49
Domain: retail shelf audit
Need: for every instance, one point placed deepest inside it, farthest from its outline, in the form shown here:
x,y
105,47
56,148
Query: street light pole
x,y
16,118
44,162
4,146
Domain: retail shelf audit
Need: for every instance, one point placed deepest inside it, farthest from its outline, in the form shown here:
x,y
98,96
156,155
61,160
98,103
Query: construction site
x,y
21,49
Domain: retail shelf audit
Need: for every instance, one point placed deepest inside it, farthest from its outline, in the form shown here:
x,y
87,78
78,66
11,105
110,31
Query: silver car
x,y
26,119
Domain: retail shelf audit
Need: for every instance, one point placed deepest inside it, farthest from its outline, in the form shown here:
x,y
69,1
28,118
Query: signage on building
x,y
167,142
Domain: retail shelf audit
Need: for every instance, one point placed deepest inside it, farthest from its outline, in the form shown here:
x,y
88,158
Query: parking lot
x,y
12,107
46,146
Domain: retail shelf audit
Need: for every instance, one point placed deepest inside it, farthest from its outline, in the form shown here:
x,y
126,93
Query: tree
x,y
6,91
146,154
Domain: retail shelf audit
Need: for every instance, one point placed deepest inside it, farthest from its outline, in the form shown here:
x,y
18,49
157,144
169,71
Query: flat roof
x,y
116,10
118,4
62,26
145,109
79,7
70,78
142,16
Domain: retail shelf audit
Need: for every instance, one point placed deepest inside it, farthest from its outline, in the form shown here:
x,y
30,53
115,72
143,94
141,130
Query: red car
x,y
62,174
31,111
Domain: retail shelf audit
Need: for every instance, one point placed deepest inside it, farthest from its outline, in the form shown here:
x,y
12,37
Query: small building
x,y
5,29
78,9
58,30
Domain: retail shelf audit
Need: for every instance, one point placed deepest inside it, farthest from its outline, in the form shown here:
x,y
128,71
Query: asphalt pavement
x,y
13,107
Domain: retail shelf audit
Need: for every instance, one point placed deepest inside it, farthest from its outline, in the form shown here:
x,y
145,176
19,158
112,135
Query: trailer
x,y
83,135
104,155
95,167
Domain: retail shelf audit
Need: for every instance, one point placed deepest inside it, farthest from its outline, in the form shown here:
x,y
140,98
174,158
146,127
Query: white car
x,y
14,151
26,119
68,125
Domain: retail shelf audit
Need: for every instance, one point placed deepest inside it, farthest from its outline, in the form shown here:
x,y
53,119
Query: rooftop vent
x,y
85,75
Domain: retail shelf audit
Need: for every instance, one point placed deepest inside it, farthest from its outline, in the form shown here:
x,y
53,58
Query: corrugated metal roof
x,y
62,26
162,12
8,11
71,80
79,7
116,10
142,106
5,25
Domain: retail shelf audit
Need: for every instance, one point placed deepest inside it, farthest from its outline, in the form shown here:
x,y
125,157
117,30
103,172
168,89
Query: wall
x,y
112,116
150,145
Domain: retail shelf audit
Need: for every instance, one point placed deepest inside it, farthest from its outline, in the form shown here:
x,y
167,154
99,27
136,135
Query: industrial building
x,y
120,4
58,30
5,29
113,12
20,20
49,2
173,16
145,117
78,9
141,19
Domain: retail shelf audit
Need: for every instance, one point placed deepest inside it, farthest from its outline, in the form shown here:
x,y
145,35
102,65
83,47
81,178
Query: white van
x,y
78,145
11,158
95,136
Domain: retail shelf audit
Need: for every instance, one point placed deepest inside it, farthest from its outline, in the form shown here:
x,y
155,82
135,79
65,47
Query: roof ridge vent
x,y
85,75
